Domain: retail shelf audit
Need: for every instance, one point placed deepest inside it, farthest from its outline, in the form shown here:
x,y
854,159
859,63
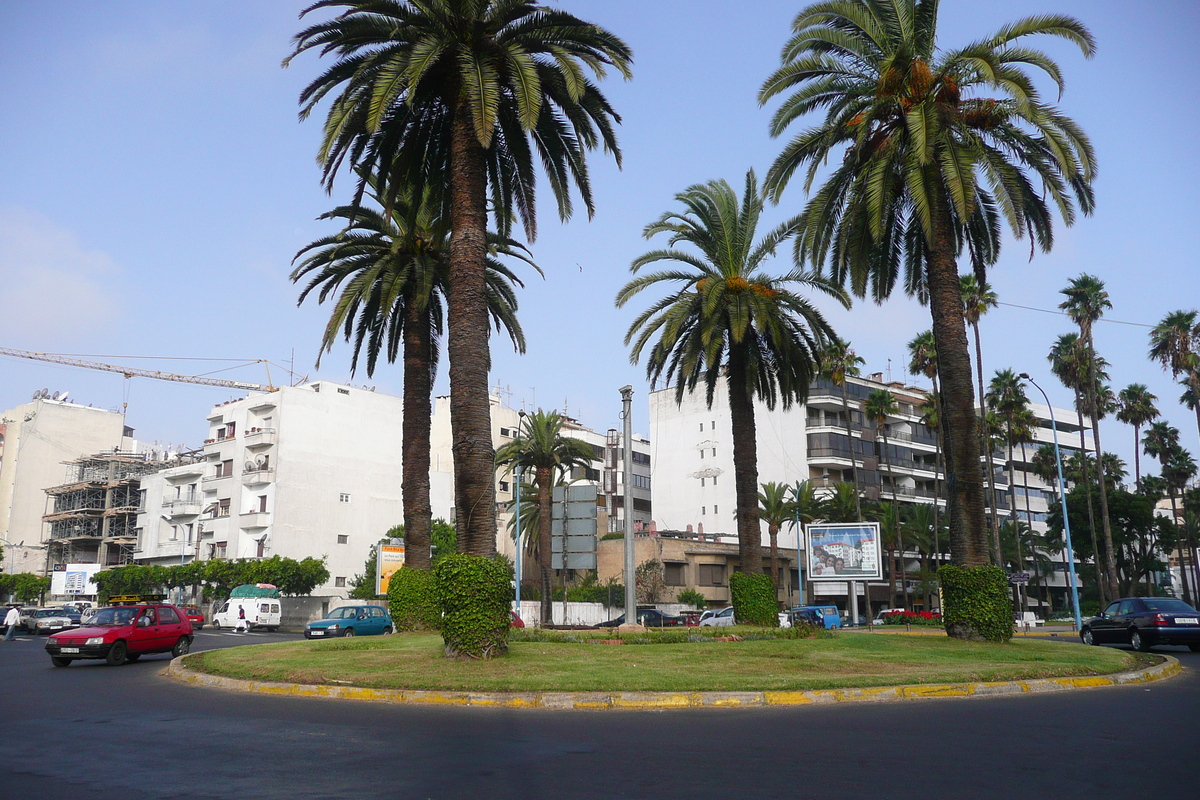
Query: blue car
x,y
351,621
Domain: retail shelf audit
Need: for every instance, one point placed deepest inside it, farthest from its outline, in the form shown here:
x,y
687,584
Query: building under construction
x,y
94,516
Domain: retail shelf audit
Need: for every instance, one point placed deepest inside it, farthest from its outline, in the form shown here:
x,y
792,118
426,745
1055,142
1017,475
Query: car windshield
x,y
1166,605
113,616
347,612
48,612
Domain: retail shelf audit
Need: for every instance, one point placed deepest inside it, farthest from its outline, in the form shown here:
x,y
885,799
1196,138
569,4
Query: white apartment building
x,y
36,440
693,468
310,470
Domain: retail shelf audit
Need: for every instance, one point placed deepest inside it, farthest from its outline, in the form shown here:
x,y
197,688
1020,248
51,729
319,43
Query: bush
x,y
977,603
929,618
474,593
692,598
413,600
754,600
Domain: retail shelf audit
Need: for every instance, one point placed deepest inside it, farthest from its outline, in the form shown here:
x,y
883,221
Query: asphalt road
x,y
126,732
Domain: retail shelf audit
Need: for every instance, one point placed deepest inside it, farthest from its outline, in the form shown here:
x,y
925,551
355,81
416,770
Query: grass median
x,y
415,661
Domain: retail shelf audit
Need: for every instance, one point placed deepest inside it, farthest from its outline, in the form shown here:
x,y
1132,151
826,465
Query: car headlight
x,y
95,640
333,627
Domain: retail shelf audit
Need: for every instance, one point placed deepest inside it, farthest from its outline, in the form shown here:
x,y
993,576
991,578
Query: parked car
x,y
351,621
28,613
124,633
261,612
194,615
720,619
515,620
649,617
1144,622
805,616
49,620
881,617
690,618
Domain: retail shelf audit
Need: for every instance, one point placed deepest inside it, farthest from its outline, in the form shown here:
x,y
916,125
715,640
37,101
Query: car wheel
x,y
117,654
181,647
1195,648
199,627
272,628
388,631
348,632
1138,642
216,625
132,656
1086,635
60,662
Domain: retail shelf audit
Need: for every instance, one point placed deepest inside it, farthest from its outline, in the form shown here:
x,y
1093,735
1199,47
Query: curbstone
x,y
657,701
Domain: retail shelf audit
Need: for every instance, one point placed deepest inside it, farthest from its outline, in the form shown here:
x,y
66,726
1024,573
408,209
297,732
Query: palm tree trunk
x,y
937,475
887,459
1137,459
850,445
1028,510
985,441
773,531
544,480
964,485
1101,583
745,464
1110,554
414,482
467,317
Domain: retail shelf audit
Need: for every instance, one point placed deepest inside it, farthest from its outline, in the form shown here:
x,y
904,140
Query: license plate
x,y
1187,621
316,633
70,649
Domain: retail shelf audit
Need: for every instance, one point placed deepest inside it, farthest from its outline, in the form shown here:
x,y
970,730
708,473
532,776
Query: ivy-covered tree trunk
x,y
418,387
745,463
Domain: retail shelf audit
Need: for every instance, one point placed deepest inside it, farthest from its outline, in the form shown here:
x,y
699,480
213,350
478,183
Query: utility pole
x,y
630,583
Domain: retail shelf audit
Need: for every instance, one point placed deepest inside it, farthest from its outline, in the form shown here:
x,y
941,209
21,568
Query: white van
x,y
261,612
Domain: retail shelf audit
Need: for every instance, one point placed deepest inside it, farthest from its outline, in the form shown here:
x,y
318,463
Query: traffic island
x,y
748,673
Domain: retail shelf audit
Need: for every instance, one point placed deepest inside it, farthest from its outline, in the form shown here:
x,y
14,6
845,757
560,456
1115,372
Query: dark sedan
x,y
1144,622
649,617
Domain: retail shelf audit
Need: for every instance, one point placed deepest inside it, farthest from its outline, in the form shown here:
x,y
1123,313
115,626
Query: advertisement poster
x,y
389,559
844,552
73,579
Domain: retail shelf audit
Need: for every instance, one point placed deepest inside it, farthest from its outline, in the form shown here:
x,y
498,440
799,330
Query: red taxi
x,y
194,615
124,632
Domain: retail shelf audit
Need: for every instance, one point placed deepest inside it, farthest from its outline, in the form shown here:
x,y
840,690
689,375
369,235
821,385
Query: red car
x,y
124,633
515,621
194,615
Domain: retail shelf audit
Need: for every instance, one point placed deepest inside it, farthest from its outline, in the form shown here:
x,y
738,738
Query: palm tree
x,y
387,271
1136,408
1086,302
1178,470
462,99
977,299
930,409
808,507
775,509
843,505
1161,442
728,319
838,362
922,164
542,449
880,405
1175,343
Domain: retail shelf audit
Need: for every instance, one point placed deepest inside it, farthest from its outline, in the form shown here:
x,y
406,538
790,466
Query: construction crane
x,y
132,372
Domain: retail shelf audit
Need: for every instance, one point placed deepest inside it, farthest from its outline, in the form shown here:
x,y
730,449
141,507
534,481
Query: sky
x,y
157,183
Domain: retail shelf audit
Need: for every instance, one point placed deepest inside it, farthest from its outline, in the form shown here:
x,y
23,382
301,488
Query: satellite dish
x,y
55,397
249,466
63,397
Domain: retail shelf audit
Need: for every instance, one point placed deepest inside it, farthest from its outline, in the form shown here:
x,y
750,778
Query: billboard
x,y
73,579
844,552
388,559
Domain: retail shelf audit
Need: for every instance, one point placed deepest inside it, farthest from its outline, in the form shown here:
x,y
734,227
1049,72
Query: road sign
x,y
1018,577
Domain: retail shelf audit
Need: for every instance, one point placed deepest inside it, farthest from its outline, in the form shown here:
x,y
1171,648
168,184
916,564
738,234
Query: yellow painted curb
x,y
654,701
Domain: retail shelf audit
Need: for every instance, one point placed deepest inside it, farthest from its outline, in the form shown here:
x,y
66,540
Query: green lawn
x,y
415,661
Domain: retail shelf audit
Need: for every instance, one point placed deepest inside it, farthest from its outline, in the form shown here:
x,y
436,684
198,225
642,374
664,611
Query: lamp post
x,y
1062,494
630,582
517,517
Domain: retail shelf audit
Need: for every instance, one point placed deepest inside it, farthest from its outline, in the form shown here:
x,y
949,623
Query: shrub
x,y
474,593
977,604
692,598
754,600
413,600
650,581
930,618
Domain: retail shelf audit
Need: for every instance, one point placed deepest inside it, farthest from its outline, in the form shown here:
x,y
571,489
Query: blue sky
x,y
157,183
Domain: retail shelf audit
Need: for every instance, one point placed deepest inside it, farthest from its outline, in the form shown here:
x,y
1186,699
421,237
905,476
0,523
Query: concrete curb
x,y
645,701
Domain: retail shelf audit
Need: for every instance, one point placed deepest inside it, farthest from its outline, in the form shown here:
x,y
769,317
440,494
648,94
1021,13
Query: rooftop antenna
x,y
889,370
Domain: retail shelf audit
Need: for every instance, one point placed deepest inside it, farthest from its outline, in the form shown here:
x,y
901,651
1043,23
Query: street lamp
x,y
1062,494
517,518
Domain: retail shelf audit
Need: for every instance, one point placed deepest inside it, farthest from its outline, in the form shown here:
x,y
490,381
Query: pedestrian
x,y
11,619
242,626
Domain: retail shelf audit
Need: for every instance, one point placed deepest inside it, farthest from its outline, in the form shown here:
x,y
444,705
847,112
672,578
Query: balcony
x,y
260,475
212,444
256,438
208,480
254,519
166,549
182,506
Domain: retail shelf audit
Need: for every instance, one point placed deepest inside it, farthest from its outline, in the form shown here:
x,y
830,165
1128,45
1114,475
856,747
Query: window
x,y
220,549
264,608
702,453
703,510
504,486
714,452
506,432
714,425
343,498
167,616
227,468
714,480
223,508
641,458
262,502
376,611
710,574
339,582
643,481
714,508
673,574
343,391
702,481
701,426
343,538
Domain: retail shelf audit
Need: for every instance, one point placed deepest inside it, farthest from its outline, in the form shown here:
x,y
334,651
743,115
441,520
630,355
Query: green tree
x,y
548,455
919,163
463,99
1006,397
1086,302
728,319
388,275
775,509
839,361
1136,408
843,504
1175,343
880,405
807,507
977,299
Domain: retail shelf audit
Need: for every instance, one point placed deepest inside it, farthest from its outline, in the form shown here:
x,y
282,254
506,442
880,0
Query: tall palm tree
x,y
1175,343
463,99
727,318
923,164
1178,469
1069,363
838,362
922,360
881,404
1006,397
1161,441
775,509
977,299
549,456
387,274
930,410
1135,407
843,504
807,507
1086,302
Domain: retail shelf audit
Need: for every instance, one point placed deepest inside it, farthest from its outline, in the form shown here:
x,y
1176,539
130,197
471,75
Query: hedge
x,y
754,600
413,600
474,593
977,605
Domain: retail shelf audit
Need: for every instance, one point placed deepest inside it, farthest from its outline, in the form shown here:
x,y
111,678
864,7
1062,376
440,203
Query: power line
x,y
1064,314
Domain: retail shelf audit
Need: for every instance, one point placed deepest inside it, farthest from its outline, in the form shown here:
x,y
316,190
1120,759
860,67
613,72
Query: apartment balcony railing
x,y
259,475
182,506
254,519
259,437
207,479
210,444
